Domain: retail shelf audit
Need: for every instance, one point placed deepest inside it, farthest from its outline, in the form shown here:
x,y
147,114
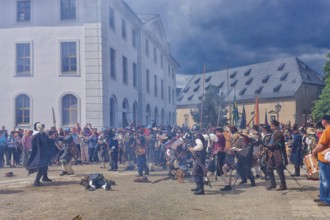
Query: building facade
x,y
91,61
286,89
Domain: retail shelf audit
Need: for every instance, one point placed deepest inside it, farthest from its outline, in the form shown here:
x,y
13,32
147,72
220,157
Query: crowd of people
x,y
253,153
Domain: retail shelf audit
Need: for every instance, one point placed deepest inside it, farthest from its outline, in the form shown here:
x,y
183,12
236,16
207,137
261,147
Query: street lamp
x,y
278,109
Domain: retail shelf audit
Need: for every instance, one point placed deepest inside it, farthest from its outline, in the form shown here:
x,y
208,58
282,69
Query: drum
x,y
312,167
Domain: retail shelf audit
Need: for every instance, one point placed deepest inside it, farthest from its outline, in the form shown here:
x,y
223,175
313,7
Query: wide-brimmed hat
x,y
310,130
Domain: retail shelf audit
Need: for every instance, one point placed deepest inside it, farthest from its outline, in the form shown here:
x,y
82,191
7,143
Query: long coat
x,y
278,158
42,151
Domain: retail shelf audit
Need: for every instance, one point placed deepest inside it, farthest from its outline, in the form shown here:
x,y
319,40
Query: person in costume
x,y
42,152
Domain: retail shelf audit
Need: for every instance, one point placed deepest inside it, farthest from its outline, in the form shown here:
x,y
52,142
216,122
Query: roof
x,y
273,79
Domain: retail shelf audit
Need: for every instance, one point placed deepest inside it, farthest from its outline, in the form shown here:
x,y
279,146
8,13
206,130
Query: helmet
x,y
195,128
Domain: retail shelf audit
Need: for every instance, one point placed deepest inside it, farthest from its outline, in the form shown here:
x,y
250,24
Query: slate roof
x,y
274,79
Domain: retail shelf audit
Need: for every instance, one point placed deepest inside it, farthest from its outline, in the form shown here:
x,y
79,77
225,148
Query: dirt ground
x,y
64,198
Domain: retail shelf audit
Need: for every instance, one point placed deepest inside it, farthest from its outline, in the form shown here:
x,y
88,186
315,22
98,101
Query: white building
x,y
92,61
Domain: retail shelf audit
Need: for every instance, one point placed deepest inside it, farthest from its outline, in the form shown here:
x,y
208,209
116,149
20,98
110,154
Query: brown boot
x,y
179,175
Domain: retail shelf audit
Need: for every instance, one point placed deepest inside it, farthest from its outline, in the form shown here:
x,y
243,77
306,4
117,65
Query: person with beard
x,y
42,151
199,152
277,157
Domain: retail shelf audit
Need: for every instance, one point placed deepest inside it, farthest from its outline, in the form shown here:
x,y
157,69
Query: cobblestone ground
x,y
64,198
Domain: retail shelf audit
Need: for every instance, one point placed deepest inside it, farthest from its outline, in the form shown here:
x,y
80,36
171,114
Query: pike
x,y
162,179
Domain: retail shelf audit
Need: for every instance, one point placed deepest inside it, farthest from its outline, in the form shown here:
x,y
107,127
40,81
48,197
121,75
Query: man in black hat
x,y
324,144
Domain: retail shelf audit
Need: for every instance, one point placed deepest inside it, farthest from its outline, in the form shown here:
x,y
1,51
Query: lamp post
x,y
278,109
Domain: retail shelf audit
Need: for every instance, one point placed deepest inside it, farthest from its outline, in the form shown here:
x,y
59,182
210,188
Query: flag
x,y
266,118
235,113
243,119
256,112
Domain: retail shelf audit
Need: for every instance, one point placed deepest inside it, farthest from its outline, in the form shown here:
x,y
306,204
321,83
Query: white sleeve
x,y
199,145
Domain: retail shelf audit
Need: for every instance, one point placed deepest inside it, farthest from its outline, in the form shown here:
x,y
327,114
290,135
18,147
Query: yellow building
x,y
286,89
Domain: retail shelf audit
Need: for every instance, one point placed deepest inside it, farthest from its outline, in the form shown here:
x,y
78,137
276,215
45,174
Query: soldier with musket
x,y
277,157
199,153
141,142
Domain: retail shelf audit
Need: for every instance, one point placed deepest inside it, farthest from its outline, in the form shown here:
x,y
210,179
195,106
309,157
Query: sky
x,y
242,31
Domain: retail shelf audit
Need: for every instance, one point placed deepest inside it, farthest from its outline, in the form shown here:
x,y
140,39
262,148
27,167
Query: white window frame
x,y
60,12
23,21
78,107
30,109
112,17
70,73
25,73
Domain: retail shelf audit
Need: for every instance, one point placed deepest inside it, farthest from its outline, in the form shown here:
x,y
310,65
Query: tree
x,y
322,105
211,104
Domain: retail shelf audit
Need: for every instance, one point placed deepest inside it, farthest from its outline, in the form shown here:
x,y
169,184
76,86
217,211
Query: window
x,y
277,88
281,67
112,20
242,91
69,58
207,87
112,63
22,106
247,72
135,113
155,85
135,79
265,80
155,55
180,98
196,89
147,48
68,10
221,84
134,38
197,80
233,74
208,79
148,81
169,94
233,84
162,89
258,91
284,76
190,97
125,113
23,59
186,89
125,71
123,29
248,82
186,120
173,73
148,115
23,10
69,110
173,95
169,70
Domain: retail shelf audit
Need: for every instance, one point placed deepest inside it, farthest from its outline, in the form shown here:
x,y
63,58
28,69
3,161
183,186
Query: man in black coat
x,y
42,152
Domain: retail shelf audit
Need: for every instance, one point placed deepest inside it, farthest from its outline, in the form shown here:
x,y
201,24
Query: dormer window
x,y
284,76
258,91
277,88
248,82
186,89
233,84
197,80
281,67
242,91
179,99
221,84
265,80
208,79
196,89
247,72
190,97
233,74
209,86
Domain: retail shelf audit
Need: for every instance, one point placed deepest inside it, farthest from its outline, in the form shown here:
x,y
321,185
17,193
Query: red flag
x,y
256,112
